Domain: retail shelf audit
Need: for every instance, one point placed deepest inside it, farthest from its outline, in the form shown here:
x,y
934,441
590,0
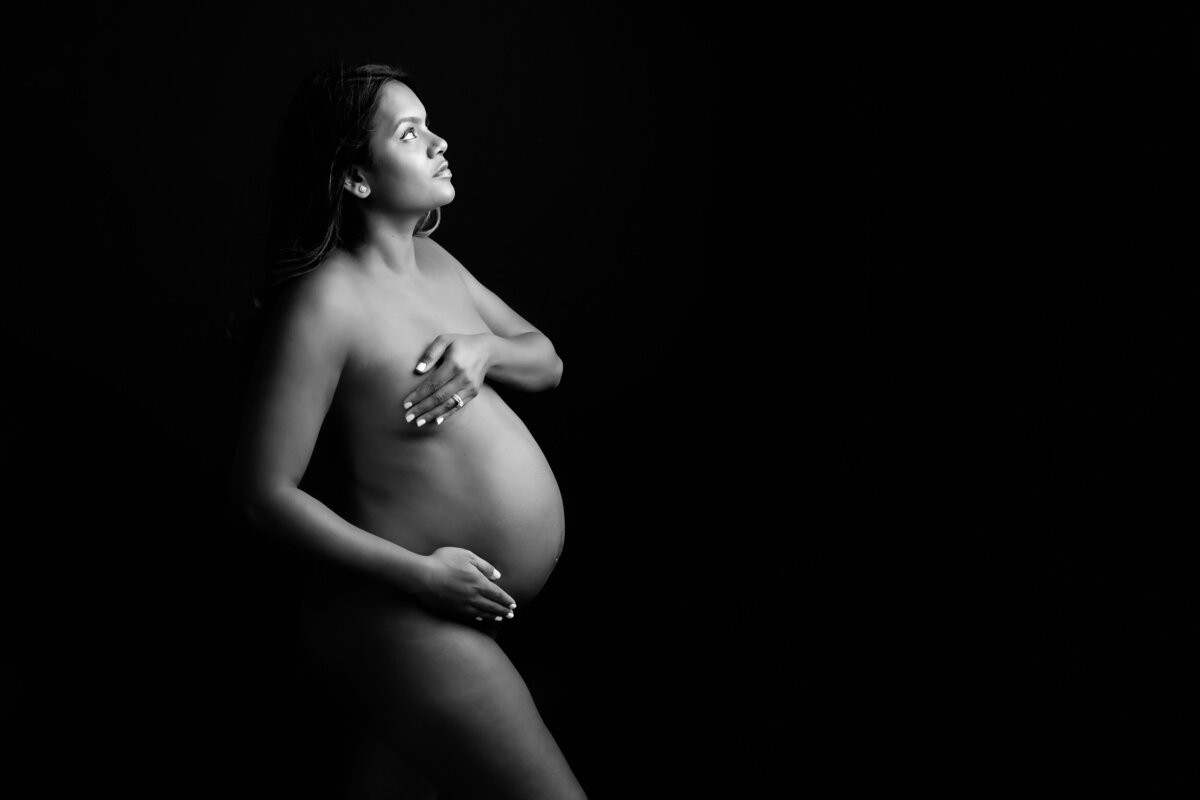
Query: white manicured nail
x,y
499,618
408,404
495,572
510,615
409,418
439,420
479,619
421,367
420,422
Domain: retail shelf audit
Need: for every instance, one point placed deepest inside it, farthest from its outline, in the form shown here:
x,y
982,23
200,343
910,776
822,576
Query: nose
x,y
439,144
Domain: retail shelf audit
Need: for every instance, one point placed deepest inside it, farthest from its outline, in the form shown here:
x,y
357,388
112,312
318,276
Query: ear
x,y
355,183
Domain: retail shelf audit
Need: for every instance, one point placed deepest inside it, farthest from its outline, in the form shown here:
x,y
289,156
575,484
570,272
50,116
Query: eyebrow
x,y
403,120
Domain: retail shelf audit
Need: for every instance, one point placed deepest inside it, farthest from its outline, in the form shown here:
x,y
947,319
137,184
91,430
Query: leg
x,y
445,695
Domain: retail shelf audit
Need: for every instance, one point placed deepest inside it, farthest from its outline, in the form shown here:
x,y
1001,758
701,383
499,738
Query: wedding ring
x,y
457,400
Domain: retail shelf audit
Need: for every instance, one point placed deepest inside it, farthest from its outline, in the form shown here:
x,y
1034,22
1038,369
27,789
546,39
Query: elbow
x,y
251,502
551,377
245,505
249,510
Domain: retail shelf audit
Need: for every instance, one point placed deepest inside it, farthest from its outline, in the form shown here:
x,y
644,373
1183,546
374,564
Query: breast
x,y
478,481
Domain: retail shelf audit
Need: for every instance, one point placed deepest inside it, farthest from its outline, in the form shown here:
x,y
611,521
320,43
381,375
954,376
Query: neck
x,y
388,243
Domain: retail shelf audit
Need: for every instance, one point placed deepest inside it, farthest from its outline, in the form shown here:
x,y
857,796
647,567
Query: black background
x,y
876,434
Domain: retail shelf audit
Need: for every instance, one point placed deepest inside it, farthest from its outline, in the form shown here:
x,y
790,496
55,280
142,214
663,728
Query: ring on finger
x,y
458,401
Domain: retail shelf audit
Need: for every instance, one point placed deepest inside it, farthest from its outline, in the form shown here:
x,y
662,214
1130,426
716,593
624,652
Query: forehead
x,y
396,100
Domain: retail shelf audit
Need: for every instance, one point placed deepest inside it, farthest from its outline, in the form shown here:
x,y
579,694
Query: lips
x,y
442,169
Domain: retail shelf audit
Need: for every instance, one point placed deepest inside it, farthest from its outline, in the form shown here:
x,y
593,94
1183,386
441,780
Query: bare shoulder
x,y
429,246
325,299
436,257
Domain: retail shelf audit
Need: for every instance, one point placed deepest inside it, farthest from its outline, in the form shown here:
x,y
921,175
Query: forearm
x,y
303,521
527,360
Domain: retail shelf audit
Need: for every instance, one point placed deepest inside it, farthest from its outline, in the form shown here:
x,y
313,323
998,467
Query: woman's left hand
x,y
465,358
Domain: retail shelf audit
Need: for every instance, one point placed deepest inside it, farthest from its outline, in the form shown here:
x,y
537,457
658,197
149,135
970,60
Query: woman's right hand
x,y
460,582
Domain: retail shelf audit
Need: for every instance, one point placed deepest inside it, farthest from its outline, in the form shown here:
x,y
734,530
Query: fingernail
x,y
439,420
499,618
479,619
512,605
495,572
510,615
408,404
409,418
421,367
420,422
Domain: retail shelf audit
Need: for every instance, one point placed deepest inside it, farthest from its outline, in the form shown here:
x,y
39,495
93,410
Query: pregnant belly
x,y
482,484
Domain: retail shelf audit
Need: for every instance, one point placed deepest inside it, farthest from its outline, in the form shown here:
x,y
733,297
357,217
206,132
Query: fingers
x,y
419,400
494,605
492,617
488,602
439,414
493,611
485,567
438,399
442,402
497,595
492,593
433,353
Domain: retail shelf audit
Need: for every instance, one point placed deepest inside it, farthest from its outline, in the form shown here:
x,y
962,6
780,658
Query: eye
x,y
407,131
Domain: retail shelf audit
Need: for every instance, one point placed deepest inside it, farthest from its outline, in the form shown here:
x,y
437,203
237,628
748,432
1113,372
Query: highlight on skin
x,y
424,538
327,128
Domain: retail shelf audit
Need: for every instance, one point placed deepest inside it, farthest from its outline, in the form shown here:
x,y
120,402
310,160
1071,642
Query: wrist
x,y
411,573
491,350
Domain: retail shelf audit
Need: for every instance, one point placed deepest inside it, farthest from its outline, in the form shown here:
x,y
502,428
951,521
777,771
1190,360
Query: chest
x,y
397,326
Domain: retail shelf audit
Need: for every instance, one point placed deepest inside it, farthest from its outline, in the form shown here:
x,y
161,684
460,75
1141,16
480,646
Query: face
x,y
407,156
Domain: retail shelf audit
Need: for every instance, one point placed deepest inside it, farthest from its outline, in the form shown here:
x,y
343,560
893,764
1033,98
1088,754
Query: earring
x,y
362,190
428,231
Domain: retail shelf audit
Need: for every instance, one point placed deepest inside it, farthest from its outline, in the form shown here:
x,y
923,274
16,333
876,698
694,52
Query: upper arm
x,y
299,364
496,313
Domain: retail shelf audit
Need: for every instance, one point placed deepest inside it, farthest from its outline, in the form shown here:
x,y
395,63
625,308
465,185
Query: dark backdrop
x,y
875,435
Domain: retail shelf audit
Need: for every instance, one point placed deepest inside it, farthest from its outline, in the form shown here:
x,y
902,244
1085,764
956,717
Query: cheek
x,y
409,179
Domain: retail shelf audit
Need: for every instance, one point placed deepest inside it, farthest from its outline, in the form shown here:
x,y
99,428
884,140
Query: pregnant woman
x,y
446,520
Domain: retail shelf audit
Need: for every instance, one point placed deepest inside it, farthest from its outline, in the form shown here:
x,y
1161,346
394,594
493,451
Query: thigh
x,y
445,695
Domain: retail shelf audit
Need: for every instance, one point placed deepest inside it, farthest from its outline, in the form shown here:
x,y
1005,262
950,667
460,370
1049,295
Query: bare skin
x,y
481,462
448,527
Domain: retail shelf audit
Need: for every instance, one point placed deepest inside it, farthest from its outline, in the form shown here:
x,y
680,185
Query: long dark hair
x,y
327,129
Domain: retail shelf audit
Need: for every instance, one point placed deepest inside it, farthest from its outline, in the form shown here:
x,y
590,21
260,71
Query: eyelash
x,y
406,130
